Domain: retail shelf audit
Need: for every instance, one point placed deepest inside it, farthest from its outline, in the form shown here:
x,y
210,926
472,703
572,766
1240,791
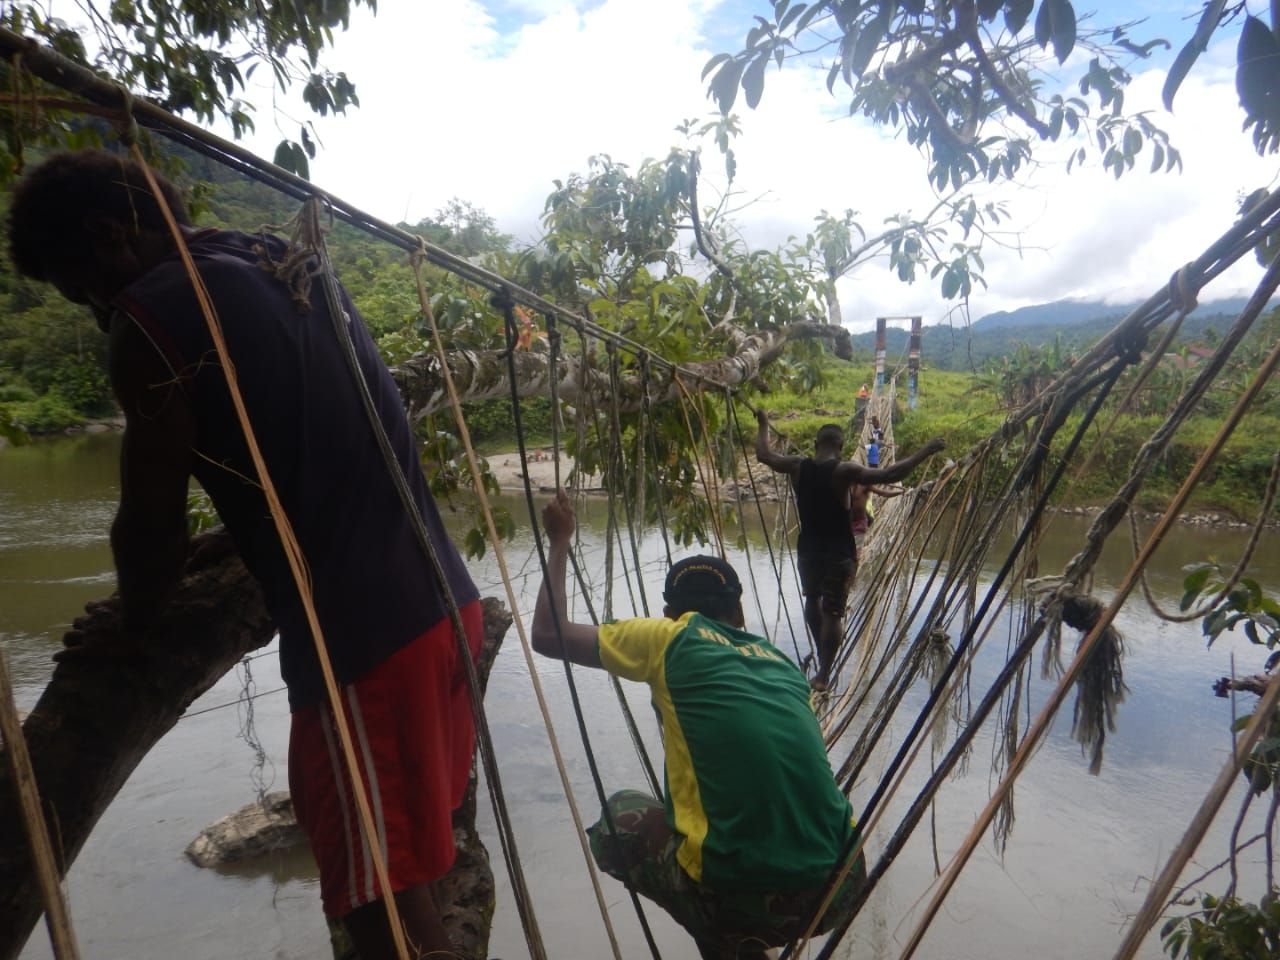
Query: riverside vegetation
x,y
52,373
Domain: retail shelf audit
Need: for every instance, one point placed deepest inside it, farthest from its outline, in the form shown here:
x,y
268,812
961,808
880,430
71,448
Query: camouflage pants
x,y
725,923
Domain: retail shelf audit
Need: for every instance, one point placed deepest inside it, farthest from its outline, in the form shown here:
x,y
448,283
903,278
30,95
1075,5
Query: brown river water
x,y
1075,867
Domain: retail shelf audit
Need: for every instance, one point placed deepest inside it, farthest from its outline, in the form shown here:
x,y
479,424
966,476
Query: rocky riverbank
x,y
1202,518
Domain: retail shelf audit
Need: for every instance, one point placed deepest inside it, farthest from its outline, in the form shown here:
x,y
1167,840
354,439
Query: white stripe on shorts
x,y
375,794
339,781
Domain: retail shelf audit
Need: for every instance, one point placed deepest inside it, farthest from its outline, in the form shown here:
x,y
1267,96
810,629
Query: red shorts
x,y
412,729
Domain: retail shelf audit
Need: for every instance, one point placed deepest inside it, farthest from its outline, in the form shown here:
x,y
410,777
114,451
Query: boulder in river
x,y
253,830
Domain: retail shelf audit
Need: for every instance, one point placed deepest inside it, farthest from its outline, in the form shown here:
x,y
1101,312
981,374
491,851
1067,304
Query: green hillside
x,y
1075,325
964,408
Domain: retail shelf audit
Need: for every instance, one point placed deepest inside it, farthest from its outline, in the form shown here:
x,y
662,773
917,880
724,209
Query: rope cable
x,y
292,551
846,861
507,305
708,498
341,319
627,505
646,410
617,459
1137,931
633,730
500,554
1264,515
768,540
742,521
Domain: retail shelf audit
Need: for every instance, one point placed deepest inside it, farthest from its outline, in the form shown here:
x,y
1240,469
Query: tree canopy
x,y
968,81
194,57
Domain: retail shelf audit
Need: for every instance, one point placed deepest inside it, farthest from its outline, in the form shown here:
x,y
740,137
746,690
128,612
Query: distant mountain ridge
x,y
1067,312
1077,322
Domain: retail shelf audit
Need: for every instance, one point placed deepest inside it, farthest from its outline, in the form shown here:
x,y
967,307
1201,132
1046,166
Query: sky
x,y
492,101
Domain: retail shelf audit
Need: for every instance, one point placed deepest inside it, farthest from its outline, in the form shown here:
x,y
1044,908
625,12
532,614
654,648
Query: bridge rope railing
x,y
1216,259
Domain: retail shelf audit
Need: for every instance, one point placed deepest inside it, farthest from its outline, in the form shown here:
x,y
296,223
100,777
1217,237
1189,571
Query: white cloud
x,y
453,106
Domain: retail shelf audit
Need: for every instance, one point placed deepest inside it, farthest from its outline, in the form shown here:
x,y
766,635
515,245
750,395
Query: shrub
x,y
11,392
47,414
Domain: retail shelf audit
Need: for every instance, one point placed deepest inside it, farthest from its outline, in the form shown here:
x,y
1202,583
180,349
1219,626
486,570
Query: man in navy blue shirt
x,y
89,224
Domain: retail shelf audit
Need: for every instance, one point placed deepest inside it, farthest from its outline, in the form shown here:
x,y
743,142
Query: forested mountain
x,y
1076,323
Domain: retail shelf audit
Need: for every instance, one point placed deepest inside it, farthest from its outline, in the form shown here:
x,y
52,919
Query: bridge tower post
x,y
913,363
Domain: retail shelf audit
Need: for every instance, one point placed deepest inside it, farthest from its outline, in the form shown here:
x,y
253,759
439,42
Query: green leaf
x,y
1182,65
753,79
284,155
950,285
790,16
1044,23
1254,592
1132,142
866,47
1016,13
1213,624
1241,722
809,15
13,432
714,62
1063,17
831,76
1255,67
724,85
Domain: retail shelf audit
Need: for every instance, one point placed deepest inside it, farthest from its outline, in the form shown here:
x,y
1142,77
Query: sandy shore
x,y
542,470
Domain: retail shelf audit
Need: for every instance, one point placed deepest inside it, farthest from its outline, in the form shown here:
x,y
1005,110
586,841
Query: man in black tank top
x,y
825,552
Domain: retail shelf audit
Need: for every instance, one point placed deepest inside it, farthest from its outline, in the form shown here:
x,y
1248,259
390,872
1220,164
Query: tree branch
x,y
1256,684
482,374
1003,90
700,239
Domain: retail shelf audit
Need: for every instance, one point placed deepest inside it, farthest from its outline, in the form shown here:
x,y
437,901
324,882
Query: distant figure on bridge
x,y
860,516
877,431
826,554
875,449
863,392
741,849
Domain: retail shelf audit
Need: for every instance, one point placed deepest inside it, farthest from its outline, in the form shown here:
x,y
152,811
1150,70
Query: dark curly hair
x,y
830,437
51,203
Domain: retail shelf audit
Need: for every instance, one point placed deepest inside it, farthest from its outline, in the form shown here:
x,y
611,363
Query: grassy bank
x,y
965,408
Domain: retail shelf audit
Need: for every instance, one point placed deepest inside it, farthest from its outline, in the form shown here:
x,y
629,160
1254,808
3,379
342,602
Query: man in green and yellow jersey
x,y
741,851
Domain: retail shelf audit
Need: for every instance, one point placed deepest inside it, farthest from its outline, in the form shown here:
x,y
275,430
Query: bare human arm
x,y
149,535
888,492
781,463
550,617
848,472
